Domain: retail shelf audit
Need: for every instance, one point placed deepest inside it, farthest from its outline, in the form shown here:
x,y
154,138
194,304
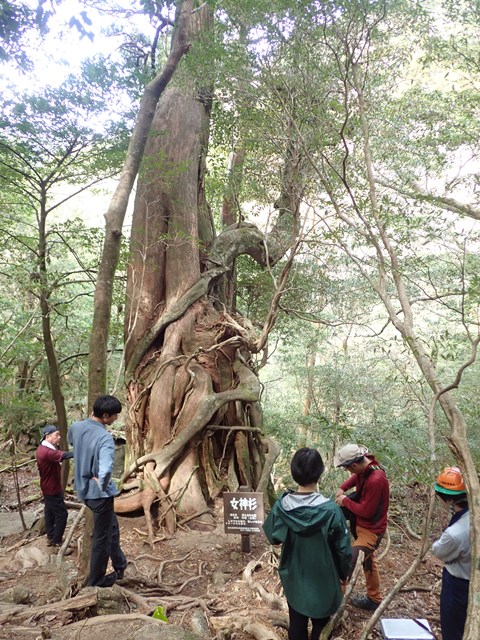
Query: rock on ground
x,y
125,629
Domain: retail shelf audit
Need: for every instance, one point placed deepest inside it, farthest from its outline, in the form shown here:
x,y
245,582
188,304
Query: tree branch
x,y
418,193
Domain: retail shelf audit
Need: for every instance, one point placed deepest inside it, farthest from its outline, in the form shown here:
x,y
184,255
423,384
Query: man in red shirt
x,y
49,459
369,507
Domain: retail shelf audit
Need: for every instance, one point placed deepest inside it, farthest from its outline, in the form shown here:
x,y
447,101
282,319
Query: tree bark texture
x,y
97,376
114,217
188,355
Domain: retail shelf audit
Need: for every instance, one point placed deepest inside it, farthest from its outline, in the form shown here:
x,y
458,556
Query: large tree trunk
x,y
97,363
194,422
98,346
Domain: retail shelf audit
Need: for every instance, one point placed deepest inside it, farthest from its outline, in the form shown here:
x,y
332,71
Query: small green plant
x,y
159,614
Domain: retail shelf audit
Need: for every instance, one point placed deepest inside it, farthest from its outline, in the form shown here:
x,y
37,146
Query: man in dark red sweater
x,y
369,508
49,459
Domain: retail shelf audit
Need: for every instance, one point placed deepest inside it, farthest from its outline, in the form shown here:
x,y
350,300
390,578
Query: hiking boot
x,y
50,543
364,602
120,573
108,580
56,548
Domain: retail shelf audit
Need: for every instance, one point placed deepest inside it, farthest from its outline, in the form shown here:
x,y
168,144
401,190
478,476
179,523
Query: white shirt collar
x,y
48,444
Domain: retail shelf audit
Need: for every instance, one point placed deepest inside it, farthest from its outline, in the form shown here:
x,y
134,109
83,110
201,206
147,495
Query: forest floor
x,y
197,576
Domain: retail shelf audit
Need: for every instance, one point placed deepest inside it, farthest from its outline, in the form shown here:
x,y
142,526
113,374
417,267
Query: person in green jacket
x,y
316,552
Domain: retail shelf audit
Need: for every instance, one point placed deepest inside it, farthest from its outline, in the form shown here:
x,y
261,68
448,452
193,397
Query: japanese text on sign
x,y
243,512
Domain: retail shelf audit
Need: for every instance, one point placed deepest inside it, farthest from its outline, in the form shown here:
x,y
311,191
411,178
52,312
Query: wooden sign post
x,y
243,514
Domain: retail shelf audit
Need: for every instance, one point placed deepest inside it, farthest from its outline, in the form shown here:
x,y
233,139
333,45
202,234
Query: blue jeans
x,y
105,541
55,517
453,606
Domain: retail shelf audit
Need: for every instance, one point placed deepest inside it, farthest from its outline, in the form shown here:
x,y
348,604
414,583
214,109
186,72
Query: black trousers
x,y
105,541
298,626
55,517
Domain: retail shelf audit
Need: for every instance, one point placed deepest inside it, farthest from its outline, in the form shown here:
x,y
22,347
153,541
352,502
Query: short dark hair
x,y
106,404
461,499
306,466
355,461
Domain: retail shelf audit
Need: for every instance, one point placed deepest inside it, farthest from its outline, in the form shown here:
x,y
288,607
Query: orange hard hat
x,y
450,482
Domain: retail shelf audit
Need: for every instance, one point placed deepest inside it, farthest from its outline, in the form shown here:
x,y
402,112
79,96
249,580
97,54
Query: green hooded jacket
x,y
316,551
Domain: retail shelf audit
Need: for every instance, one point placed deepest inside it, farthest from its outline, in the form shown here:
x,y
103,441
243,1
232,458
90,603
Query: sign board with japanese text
x,y
243,512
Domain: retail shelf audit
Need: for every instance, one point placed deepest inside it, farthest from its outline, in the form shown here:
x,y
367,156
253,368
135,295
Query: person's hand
x,y
339,499
340,492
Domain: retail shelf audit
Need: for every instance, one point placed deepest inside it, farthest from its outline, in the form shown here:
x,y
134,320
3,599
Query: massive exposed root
x,y
214,432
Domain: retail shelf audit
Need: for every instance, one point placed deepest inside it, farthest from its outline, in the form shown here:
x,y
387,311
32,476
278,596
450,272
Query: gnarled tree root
x,y
201,403
241,623
79,603
276,602
280,617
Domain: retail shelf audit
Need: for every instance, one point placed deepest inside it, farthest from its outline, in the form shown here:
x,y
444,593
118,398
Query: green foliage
x,y
16,21
26,396
454,37
19,20
418,130
41,131
282,78
54,145
19,410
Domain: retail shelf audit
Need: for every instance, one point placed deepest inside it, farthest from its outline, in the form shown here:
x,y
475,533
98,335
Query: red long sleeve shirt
x,y
49,467
371,510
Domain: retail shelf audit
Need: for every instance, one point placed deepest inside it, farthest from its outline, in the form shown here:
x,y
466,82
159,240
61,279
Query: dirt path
x,y
197,573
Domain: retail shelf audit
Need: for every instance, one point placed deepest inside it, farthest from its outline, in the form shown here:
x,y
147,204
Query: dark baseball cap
x,y
50,428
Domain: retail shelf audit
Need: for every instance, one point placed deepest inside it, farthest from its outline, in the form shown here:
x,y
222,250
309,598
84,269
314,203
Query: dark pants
x,y
55,517
453,606
105,541
298,626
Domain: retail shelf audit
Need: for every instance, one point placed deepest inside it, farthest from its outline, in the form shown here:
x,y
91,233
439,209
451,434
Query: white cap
x,y
347,454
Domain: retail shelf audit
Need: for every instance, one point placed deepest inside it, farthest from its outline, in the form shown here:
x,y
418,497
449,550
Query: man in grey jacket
x,y
94,450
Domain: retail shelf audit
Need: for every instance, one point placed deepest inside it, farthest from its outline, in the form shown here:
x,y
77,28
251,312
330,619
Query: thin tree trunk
x,y
98,346
231,215
458,439
303,430
53,369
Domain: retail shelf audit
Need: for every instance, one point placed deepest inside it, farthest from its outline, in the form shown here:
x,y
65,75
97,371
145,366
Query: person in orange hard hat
x,y
454,549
